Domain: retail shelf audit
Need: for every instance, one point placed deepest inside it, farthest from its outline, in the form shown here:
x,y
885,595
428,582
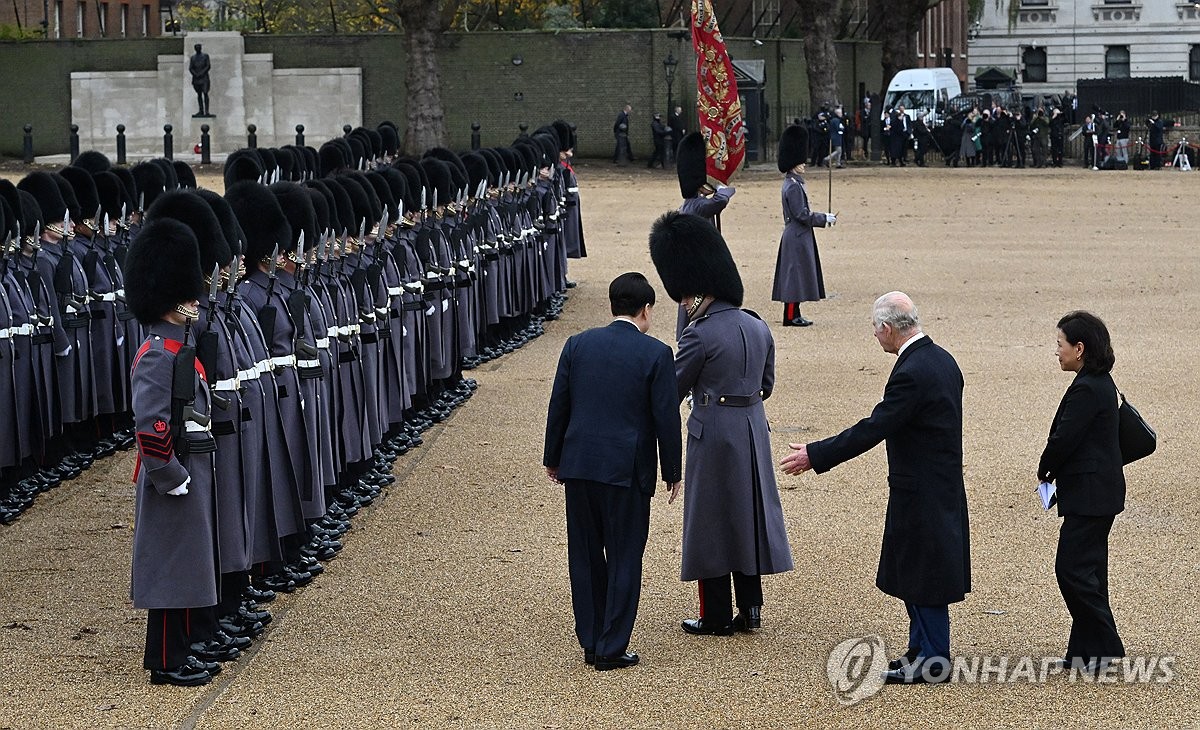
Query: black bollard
x,y
120,144
27,153
299,135
346,129
205,145
474,135
168,142
74,141
252,137
524,130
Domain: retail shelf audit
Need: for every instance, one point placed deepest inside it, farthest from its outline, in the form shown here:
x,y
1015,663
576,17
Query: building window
x,y
145,20
80,14
766,18
103,19
1116,62
124,21
58,18
1194,63
1034,61
1034,3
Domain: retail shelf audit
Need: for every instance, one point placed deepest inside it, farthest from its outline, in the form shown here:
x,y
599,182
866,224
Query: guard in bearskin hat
x,y
700,197
174,541
798,267
732,519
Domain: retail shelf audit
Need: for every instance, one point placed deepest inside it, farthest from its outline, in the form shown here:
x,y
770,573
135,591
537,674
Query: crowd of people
x,y
269,352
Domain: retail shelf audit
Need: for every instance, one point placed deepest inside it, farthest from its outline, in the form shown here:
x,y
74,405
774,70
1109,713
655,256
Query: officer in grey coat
x,y
174,540
732,517
699,196
798,267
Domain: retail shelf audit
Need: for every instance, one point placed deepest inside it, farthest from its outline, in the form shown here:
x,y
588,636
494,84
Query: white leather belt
x,y
121,293
193,427
415,287
227,385
110,297
366,317
572,190
332,332
554,216
5,333
285,361
25,329
395,291
381,311
308,363
323,343
248,374
262,367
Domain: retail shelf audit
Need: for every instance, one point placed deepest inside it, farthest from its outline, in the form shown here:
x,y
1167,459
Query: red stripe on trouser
x,y
164,640
700,587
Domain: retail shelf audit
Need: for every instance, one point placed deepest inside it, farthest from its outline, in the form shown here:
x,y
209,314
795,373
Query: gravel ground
x,y
450,606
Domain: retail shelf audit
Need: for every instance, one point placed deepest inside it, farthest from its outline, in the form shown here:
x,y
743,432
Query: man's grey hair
x,y
897,310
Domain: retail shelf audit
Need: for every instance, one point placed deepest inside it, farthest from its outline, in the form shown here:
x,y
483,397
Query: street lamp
x,y
669,64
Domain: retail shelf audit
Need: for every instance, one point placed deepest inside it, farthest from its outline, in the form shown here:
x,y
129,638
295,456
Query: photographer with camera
x,y
1121,127
1156,139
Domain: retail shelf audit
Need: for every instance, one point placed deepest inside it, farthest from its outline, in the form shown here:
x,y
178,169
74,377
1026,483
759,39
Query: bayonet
x,y
300,258
423,206
141,203
214,286
67,229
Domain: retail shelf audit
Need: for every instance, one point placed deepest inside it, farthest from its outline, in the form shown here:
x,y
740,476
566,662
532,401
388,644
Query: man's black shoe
x,y
184,676
202,666
698,627
241,643
901,662
589,657
797,322
918,673
258,595
749,619
605,663
213,650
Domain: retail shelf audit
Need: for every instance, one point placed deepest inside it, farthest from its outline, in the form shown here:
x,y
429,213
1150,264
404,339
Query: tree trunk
x,y
820,55
426,120
898,23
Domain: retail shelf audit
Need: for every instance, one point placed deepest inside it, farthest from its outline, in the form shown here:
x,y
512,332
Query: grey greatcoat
x,y
732,517
798,267
174,538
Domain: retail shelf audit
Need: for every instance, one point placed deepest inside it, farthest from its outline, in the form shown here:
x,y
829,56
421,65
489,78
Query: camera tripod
x,y
1181,159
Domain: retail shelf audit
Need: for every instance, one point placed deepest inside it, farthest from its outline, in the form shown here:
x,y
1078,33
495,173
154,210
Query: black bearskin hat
x,y
9,194
92,161
270,164
112,195
374,208
391,140
168,170
162,269
331,159
230,228
195,213
127,180
32,212
261,219
692,259
151,182
438,173
549,146
343,211
183,173
384,192
51,208
297,207
84,188
458,171
399,187
330,221
563,130
793,147
286,162
243,164
477,170
690,164
495,165
8,224
412,178
320,205
68,196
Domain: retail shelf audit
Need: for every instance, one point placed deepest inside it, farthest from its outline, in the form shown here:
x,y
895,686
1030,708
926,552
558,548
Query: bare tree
x,y
899,21
818,18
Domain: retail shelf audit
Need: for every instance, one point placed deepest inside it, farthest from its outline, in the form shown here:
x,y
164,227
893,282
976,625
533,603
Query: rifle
x,y
297,305
206,343
183,388
268,313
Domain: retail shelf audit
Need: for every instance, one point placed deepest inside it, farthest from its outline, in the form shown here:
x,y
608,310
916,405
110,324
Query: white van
x,y
922,91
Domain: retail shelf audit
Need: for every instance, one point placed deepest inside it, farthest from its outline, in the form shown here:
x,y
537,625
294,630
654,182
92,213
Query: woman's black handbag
x,y
1138,440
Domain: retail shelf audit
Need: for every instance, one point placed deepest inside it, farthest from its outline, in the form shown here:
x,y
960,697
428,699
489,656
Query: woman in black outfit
x,y
1083,457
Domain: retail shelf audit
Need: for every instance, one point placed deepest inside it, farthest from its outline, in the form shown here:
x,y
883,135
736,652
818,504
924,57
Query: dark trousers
x,y
170,633
607,527
1081,566
716,599
928,631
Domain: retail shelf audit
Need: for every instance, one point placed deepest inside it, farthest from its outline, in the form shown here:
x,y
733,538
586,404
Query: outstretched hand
x,y
796,462
675,488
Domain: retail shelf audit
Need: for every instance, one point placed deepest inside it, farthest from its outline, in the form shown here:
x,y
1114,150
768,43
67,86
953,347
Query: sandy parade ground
x,y
450,604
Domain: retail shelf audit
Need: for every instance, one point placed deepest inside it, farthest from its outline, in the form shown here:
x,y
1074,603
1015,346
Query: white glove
x,y
182,489
830,219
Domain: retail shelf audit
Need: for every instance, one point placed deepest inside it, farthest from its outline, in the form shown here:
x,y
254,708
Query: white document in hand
x,y
1046,491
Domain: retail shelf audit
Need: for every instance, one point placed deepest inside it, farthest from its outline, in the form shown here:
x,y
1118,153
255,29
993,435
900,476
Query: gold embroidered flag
x,y
717,102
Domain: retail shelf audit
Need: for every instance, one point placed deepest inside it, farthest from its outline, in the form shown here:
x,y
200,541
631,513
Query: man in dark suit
x,y
622,152
925,560
614,404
